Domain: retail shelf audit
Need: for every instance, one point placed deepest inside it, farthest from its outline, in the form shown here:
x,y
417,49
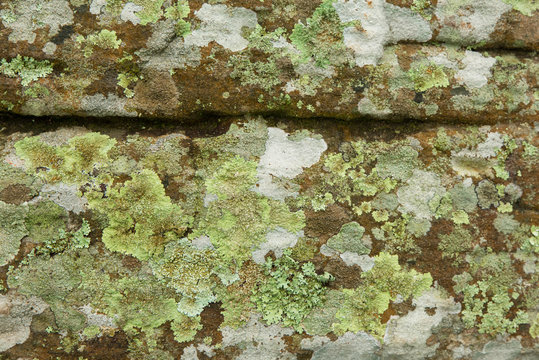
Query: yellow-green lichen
x,y
25,68
289,291
105,39
363,306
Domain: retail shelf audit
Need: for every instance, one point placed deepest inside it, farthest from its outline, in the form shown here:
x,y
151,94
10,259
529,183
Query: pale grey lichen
x,y
223,25
476,71
100,105
276,240
406,336
349,346
258,341
468,21
285,158
16,312
31,15
420,189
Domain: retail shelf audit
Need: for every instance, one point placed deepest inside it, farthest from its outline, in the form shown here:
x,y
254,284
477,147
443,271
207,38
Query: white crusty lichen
x,y
223,25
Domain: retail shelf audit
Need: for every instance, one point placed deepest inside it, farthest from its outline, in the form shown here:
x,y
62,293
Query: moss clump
x,y
141,217
289,291
426,76
12,230
239,219
363,307
105,39
26,68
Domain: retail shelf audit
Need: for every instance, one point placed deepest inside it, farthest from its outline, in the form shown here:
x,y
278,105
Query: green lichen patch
x,y
142,219
320,38
349,239
189,271
12,230
426,76
455,244
74,162
289,291
26,68
491,303
363,307
239,219
527,7
105,39
45,221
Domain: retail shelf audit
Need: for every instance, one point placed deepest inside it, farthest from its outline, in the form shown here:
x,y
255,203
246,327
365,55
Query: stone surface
x,y
269,179
472,60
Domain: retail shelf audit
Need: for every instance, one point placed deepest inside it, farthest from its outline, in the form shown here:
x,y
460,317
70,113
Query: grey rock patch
x,y
406,336
31,15
258,341
223,25
476,71
128,13
420,189
349,346
16,312
285,158
101,106
276,240
66,196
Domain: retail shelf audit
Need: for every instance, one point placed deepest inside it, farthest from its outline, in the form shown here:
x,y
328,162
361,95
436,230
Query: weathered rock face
x,y
255,238
187,207
468,59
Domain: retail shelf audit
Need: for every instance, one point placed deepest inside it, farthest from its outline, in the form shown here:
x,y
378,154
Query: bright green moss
x,y
426,76
105,39
141,217
26,68
363,307
238,220
12,230
289,291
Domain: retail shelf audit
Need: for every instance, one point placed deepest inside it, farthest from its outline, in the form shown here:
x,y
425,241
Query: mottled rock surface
x,y
474,60
269,179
